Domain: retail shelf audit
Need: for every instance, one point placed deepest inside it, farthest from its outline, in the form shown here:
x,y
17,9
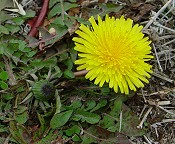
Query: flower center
x,y
47,90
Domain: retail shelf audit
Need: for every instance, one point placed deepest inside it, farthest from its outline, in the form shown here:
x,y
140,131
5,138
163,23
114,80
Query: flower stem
x,y
80,73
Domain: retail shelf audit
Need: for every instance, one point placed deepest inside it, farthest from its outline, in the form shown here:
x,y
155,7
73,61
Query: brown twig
x,y
157,14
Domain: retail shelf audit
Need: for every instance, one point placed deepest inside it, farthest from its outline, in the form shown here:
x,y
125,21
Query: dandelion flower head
x,y
114,51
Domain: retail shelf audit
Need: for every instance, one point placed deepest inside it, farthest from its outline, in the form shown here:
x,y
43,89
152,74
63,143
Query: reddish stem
x,y
40,18
31,22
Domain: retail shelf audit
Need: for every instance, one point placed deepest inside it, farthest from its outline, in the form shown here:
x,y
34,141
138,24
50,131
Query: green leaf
x,y
39,64
68,63
108,122
59,21
12,28
80,20
91,118
18,20
93,12
53,2
31,53
2,47
22,118
101,104
3,30
21,109
116,108
73,54
68,74
56,10
63,56
21,45
3,75
76,138
20,89
29,14
3,85
60,119
75,105
105,90
90,105
12,47
110,7
73,130
7,96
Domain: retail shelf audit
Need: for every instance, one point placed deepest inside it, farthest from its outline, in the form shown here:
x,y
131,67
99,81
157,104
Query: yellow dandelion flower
x,y
114,51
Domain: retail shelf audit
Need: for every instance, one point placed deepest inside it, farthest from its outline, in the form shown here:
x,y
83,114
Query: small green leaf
x,y
12,28
60,119
31,53
52,3
3,85
2,47
73,54
64,56
68,63
101,104
110,7
76,138
8,96
21,45
105,90
59,21
21,114
69,74
3,30
75,105
21,109
22,118
91,118
3,75
56,10
29,14
39,64
18,20
73,130
12,47
90,105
